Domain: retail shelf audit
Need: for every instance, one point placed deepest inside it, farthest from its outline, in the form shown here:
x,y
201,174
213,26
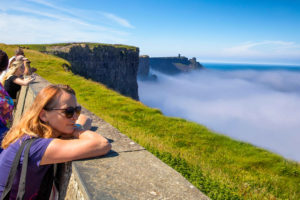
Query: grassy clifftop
x,y
51,47
220,167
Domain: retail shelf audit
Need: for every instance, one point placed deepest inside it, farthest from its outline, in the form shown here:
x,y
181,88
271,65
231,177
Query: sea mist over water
x,y
257,106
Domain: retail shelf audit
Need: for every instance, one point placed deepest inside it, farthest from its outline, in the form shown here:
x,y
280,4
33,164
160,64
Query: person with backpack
x,y
51,125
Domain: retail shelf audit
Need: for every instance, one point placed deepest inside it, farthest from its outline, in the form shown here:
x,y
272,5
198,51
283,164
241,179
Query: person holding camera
x,y
28,69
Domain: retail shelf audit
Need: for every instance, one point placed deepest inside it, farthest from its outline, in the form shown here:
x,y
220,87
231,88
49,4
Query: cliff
x,y
115,66
143,66
174,65
144,69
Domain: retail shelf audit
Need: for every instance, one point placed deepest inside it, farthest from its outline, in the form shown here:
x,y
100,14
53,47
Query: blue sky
x,y
256,31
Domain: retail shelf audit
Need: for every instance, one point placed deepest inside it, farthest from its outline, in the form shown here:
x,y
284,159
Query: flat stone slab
x,y
134,175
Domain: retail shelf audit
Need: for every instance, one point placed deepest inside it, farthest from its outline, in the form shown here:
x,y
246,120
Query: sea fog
x,y
261,107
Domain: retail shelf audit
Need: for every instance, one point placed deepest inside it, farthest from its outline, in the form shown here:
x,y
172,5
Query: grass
x,y
219,166
48,47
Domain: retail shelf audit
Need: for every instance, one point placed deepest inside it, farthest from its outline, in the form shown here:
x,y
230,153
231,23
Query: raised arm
x,y
85,145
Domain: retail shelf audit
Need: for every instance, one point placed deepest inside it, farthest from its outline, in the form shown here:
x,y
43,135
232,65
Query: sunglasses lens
x,y
70,111
78,109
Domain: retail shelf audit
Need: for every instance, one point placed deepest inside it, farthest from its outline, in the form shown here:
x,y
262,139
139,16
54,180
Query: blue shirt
x,y
35,171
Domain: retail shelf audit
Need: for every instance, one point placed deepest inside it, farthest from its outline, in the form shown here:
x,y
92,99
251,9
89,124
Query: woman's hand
x,y
84,121
30,78
24,82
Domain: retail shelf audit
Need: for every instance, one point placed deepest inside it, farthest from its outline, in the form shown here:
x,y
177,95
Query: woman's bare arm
x,y
85,145
24,82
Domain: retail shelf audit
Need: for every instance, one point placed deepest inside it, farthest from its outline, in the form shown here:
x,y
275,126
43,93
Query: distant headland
x,y
167,65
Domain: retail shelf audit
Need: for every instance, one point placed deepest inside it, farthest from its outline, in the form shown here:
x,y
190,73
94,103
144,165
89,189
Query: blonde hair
x,y
31,124
12,70
16,58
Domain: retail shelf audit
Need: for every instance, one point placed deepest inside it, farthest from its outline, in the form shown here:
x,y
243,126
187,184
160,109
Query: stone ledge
x,y
127,172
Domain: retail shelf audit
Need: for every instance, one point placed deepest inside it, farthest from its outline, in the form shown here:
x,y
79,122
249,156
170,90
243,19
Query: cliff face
x,y
174,65
144,69
116,67
144,66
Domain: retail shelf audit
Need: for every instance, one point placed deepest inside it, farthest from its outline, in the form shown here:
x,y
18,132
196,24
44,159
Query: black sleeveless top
x,y
11,87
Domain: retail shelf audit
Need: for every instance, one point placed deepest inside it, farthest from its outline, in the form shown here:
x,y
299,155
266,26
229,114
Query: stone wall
x,y
128,172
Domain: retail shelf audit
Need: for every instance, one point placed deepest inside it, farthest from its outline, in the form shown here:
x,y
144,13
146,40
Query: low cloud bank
x,y
260,107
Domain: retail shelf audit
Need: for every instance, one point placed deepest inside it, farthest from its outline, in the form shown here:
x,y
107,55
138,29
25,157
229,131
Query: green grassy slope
x,y
48,47
220,167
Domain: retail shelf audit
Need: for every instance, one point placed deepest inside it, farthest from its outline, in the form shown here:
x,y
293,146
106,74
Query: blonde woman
x,y
19,52
51,118
13,81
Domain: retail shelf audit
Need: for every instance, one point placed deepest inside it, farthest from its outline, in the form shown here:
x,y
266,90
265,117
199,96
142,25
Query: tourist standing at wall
x,y
13,80
18,52
6,103
51,120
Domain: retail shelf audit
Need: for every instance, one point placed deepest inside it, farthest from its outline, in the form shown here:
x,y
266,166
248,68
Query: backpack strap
x,y
22,183
14,167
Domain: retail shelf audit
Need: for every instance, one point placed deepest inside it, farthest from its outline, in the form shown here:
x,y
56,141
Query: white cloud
x,y
119,20
69,19
260,107
28,29
79,14
44,22
47,4
264,49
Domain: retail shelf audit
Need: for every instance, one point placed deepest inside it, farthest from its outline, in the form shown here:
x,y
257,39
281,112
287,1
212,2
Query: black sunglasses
x,y
69,112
